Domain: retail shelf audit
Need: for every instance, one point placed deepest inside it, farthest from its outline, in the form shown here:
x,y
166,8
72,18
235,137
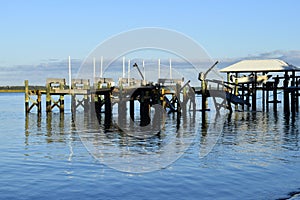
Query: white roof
x,y
269,65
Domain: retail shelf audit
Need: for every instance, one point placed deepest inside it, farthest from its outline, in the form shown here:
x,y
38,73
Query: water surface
x,y
256,157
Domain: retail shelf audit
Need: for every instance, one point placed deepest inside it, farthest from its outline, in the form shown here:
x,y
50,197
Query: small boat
x,y
249,79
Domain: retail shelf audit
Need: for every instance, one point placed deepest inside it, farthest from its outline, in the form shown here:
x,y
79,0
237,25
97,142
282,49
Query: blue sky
x,y
34,32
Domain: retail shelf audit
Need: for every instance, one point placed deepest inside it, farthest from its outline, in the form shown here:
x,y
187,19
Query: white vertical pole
x,y
94,70
70,78
123,67
128,72
170,69
144,73
101,67
159,68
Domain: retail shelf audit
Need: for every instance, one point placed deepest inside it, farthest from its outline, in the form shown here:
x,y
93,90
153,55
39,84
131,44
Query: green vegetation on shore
x,y
20,88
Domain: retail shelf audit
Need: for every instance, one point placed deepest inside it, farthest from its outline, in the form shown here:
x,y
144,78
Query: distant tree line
x,y
31,87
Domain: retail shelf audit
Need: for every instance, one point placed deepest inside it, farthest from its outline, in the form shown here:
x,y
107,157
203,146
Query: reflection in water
x,y
254,150
246,132
50,128
211,130
133,153
291,134
260,135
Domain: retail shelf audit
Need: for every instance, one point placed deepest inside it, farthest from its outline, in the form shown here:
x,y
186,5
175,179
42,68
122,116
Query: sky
x,y
35,32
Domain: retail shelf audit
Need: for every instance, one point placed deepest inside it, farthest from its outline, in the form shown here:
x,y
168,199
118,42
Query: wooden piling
x,y
86,98
178,109
26,97
204,95
73,105
243,95
254,92
286,101
162,98
39,101
61,100
263,95
204,100
131,108
275,100
108,109
107,99
293,101
184,100
236,90
48,98
177,92
297,95
144,108
267,88
121,111
96,100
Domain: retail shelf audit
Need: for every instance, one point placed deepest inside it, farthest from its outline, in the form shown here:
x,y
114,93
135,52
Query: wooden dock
x,y
173,95
248,77
100,98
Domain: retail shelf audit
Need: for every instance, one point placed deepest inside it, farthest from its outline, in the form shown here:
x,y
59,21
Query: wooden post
x,y
178,98
162,98
95,100
48,98
243,95
268,87
86,99
286,93
73,98
61,100
61,103
49,124
144,109
26,97
86,102
297,96
97,105
108,109
184,100
73,105
131,108
275,86
39,101
204,100
248,95
293,101
228,77
236,90
178,104
263,95
158,114
254,92
122,111
204,92
275,101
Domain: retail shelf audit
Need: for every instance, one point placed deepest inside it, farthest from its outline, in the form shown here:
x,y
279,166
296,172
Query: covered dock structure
x,y
268,76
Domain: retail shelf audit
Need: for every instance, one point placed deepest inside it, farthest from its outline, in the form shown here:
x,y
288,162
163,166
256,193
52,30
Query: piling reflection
x,y
249,132
50,128
133,153
291,133
261,131
211,131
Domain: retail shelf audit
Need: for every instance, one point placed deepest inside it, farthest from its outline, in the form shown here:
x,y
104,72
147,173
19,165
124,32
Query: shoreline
x,y
19,89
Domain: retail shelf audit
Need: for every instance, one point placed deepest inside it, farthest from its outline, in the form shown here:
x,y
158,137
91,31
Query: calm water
x,y
256,157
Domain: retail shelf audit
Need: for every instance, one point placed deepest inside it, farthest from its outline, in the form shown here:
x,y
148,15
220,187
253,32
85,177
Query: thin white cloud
x,y
37,74
291,57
